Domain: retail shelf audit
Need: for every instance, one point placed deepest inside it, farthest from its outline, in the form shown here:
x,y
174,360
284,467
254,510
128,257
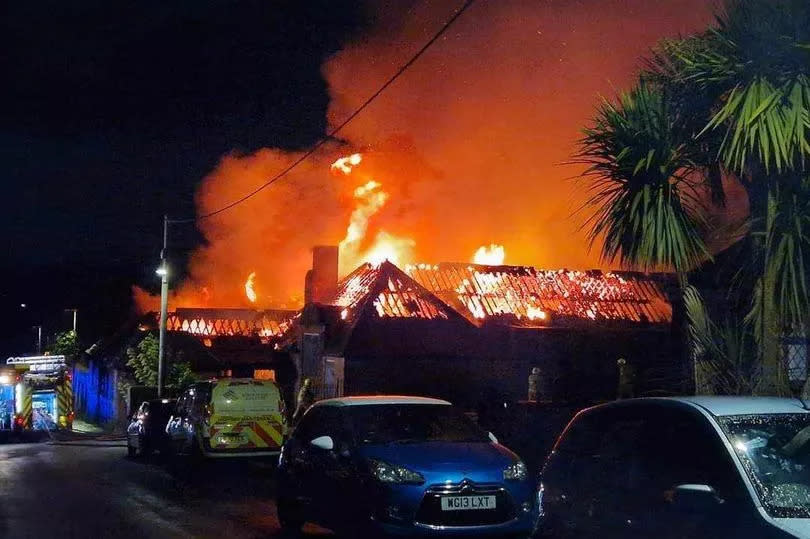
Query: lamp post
x,y
163,271
75,313
39,338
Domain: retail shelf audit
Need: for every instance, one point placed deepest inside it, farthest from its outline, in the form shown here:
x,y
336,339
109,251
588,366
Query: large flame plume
x,y
370,199
493,255
464,147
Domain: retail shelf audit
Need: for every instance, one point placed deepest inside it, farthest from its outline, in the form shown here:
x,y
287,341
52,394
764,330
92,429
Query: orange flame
x,y
388,247
345,164
493,255
250,290
369,200
535,313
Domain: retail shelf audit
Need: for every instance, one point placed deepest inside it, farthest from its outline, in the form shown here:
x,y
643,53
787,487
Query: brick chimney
x,y
321,280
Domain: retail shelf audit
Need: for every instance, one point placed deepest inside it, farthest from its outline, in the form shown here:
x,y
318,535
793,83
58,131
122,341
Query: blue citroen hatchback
x,y
402,466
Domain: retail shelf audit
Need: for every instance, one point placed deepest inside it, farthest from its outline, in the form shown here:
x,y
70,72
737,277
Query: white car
x,y
680,467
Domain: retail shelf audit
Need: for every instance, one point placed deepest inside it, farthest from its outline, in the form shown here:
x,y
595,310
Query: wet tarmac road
x,y
90,489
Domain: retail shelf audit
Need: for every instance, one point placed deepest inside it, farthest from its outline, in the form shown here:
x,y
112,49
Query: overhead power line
x,y
331,134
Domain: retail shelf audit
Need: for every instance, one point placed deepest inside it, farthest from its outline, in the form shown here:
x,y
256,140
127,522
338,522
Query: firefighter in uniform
x,y
305,399
627,379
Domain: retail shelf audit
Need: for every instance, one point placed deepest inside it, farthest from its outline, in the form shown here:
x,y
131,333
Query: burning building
x,y
465,331
455,330
462,331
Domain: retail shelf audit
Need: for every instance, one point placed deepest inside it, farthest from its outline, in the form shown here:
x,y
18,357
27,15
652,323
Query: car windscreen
x,y
412,423
775,452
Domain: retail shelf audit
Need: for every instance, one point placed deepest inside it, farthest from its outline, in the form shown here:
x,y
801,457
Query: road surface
x,y
89,489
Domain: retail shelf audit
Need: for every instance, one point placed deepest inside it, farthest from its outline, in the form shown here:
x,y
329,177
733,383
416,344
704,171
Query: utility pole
x,y
75,312
39,339
163,271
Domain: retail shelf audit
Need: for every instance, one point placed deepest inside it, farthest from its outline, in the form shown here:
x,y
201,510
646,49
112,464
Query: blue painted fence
x,y
95,393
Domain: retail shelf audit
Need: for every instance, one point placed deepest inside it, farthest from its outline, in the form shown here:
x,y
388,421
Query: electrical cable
x,y
331,134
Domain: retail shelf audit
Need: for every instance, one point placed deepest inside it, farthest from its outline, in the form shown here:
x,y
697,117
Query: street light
x,y
163,271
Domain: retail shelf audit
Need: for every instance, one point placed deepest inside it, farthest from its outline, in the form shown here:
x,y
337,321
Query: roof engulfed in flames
x,y
481,292
392,293
520,296
268,325
515,295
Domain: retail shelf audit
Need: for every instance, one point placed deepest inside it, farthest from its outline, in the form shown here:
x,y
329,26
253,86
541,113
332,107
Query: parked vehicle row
x,y
232,417
689,467
686,467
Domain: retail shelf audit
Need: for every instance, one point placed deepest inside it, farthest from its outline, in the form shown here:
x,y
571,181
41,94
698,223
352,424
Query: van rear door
x,y
246,416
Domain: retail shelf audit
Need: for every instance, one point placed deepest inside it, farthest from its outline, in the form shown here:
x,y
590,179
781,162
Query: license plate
x,y
231,438
466,503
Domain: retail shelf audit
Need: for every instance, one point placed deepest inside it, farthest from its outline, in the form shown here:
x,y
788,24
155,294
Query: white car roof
x,y
379,399
723,406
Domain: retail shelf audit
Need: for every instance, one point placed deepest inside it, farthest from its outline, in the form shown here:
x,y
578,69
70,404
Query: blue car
x,y
400,466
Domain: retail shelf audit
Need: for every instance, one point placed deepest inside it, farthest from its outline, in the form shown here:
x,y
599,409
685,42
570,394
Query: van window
x,y
246,397
202,395
184,403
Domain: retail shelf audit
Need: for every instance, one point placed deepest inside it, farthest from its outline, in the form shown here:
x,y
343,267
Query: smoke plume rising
x,y
467,144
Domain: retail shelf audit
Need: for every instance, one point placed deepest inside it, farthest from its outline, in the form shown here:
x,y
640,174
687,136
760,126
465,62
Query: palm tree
x,y
729,104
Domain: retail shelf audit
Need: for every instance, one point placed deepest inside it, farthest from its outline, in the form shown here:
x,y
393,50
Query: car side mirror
x,y
492,438
323,442
695,498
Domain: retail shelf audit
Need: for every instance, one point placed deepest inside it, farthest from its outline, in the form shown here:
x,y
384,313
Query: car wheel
x,y
289,516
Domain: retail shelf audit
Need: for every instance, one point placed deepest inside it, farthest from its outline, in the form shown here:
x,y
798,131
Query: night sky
x,y
112,113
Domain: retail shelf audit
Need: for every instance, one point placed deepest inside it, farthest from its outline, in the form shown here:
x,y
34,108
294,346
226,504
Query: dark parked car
x,y
147,429
686,467
403,465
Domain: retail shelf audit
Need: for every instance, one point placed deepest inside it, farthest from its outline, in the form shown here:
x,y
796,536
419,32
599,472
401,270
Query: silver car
x,y
680,467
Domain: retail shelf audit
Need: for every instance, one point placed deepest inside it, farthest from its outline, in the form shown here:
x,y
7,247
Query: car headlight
x,y
391,473
516,471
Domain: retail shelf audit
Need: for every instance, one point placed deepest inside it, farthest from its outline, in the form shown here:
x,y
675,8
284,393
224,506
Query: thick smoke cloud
x,y
469,143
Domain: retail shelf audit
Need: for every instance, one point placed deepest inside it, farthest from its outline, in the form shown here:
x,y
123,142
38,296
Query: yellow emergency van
x,y
234,417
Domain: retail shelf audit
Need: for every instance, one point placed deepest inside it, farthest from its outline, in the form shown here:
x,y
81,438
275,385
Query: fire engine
x,y
36,393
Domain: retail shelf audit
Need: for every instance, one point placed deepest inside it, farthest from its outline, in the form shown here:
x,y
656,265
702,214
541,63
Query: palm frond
x,y
725,354
639,161
756,64
787,249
